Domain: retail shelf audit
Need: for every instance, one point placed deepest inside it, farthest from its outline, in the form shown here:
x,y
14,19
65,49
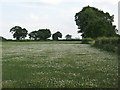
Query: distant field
x,y
57,65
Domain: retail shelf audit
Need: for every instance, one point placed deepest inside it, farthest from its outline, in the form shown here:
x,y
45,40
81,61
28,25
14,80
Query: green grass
x,y
57,65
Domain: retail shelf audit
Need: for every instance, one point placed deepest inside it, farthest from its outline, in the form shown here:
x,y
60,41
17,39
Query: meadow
x,y
65,64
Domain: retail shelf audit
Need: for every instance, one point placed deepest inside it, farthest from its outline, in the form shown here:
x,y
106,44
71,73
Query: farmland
x,y
57,65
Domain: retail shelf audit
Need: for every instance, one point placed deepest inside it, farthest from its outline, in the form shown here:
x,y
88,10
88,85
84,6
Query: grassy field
x,y
57,65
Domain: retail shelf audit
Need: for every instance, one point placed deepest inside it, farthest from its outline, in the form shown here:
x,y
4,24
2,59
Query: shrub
x,y
87,40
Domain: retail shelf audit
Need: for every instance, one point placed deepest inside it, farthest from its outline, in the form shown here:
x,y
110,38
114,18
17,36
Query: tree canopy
x,y
18,32
57,35
41,34
33,35
68,37
95,23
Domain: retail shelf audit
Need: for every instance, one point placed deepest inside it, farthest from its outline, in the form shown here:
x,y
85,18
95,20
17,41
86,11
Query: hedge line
x,y
107,43
87,41
84,40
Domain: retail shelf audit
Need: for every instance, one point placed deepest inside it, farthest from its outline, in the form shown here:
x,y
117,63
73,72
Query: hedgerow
x,y
107,43
87,40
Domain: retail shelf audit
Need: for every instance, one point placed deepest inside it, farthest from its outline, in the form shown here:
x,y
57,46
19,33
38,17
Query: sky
x,y
56,15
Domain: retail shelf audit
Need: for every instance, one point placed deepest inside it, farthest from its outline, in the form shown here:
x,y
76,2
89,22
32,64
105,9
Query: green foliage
x,y
57,35
95,23
18,32
33,35
2,38
87,40
109,44
68,37
41,34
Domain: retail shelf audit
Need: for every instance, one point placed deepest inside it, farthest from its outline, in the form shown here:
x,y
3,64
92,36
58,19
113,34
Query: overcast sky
x,y
56,15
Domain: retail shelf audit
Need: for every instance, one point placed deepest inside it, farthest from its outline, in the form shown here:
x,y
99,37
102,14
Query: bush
x,y
107,43
70,40
87,40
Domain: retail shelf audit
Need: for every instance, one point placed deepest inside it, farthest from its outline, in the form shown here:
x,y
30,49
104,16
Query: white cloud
x,y
110,2
94,1
16,24
59,1
76,9
32,17
51,1
43,1
88,1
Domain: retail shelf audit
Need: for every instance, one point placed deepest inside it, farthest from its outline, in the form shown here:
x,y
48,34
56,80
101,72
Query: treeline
x,y
42,34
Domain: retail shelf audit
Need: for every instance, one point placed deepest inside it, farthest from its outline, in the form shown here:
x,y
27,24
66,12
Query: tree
x,y
41,34
57,35
33,35
44,34
18,32
95,23
68,37
2,38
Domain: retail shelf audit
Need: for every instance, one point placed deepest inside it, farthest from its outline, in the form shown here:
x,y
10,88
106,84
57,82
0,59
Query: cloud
x,y
51,1
108,2
32,17
40,1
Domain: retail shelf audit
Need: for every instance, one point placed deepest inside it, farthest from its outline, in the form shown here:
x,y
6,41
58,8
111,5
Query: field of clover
x,y
57,65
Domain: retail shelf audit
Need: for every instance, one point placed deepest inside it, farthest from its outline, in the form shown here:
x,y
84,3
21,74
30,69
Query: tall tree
x,y
44,34
41,34
68,37
18,32
57,35
95,23
33,35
